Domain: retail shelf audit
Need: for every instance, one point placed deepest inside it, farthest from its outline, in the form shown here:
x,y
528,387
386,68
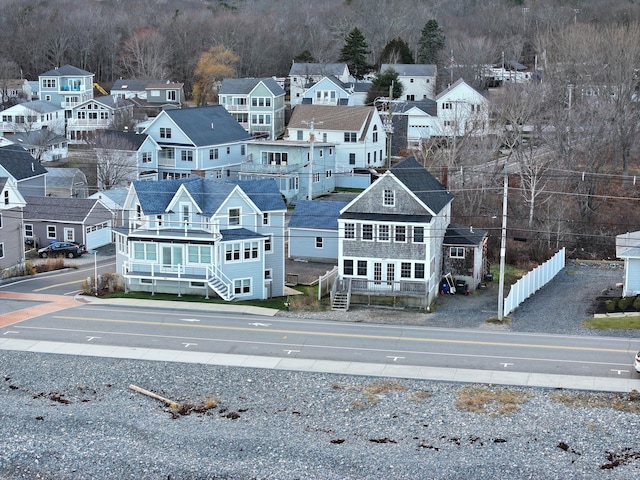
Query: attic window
x,y
389,198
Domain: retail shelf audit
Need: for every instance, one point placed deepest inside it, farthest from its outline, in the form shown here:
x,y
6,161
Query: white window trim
x,y
373,232
319,240
55,231
389,231
456,249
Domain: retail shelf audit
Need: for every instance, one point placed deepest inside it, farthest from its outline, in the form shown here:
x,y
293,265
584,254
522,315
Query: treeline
x,y
164,39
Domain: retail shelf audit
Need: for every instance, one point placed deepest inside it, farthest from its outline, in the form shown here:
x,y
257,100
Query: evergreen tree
x,y
304,57
381,83
354,54
396,51
431,43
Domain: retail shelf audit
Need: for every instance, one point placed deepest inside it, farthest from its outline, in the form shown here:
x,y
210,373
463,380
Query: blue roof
x,y
316,214
155,196
211,125
239,234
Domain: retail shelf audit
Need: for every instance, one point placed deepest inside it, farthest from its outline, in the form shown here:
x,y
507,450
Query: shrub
x,y
636,303
624,303
611,304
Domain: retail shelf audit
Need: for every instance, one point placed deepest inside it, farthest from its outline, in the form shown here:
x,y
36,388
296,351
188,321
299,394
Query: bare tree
x,y
117,162
144,55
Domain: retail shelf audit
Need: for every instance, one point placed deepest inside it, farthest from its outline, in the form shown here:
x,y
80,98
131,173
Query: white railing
x,y
326,281
533,281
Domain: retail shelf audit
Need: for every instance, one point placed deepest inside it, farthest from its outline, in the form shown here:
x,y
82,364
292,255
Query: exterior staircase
x,y
340,301
223,289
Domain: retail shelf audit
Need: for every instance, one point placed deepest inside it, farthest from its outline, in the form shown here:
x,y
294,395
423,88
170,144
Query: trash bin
x,y
461,287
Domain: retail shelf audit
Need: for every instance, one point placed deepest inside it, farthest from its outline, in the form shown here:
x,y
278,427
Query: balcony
x,y
237,108
95,123
269,169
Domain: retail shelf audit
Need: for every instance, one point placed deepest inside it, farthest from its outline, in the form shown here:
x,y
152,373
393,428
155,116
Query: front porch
x,y
184,278
349,290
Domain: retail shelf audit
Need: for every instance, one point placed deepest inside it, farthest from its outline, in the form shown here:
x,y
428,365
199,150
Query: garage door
x,y
98,235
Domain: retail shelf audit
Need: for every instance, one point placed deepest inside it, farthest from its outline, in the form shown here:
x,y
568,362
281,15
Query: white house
x,y
96,114
421,121
304,75
31,116
628,249
462,110
418,80
357,133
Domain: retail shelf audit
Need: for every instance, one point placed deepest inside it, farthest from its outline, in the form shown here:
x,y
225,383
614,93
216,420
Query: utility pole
x,y
312,139
503,242
388,124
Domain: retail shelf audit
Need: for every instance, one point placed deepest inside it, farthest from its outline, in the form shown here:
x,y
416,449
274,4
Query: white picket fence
x,y
326,281
533,281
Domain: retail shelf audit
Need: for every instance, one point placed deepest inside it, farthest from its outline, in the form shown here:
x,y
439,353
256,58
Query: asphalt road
x,y
148,327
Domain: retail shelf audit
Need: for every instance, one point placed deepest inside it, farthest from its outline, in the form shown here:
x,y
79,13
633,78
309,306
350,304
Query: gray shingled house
x,y
391,238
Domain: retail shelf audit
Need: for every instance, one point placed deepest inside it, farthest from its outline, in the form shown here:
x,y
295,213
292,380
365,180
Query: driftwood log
x,y
171,403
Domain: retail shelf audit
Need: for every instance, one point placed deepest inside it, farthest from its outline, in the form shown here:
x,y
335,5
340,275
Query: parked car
x,y
636,362
60,249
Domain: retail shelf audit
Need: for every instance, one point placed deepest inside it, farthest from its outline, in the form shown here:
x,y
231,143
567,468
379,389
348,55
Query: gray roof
x,y
211,125
41,106
116,195
155,196
64,177
239,234
317,215
304,69
19,163
427,106
64,71
58,209
411,69
424,185
129,141
130,84
244,86
3,182
36,138
461,235
111,101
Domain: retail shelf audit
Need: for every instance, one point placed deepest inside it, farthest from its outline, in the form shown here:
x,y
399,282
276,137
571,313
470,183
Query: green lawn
x,y
613,323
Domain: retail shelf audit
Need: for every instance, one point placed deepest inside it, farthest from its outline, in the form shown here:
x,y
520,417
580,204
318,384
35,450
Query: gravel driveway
x,y
66,417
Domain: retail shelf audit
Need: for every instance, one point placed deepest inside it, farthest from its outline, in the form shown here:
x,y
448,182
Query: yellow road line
x,y
347,335
57,285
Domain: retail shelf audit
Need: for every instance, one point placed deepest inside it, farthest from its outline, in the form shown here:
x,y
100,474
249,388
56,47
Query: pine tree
x,y
396,51
431,43
354,54
381,83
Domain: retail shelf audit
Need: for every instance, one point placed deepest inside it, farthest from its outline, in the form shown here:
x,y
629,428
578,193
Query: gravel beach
x,y
67,417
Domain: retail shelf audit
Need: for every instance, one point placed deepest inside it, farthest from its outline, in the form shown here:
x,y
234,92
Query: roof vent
x,y
211,125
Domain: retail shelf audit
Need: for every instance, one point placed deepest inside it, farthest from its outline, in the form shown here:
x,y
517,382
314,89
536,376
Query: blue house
x,y
201,237
303,170
66,86
205,140
313,231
